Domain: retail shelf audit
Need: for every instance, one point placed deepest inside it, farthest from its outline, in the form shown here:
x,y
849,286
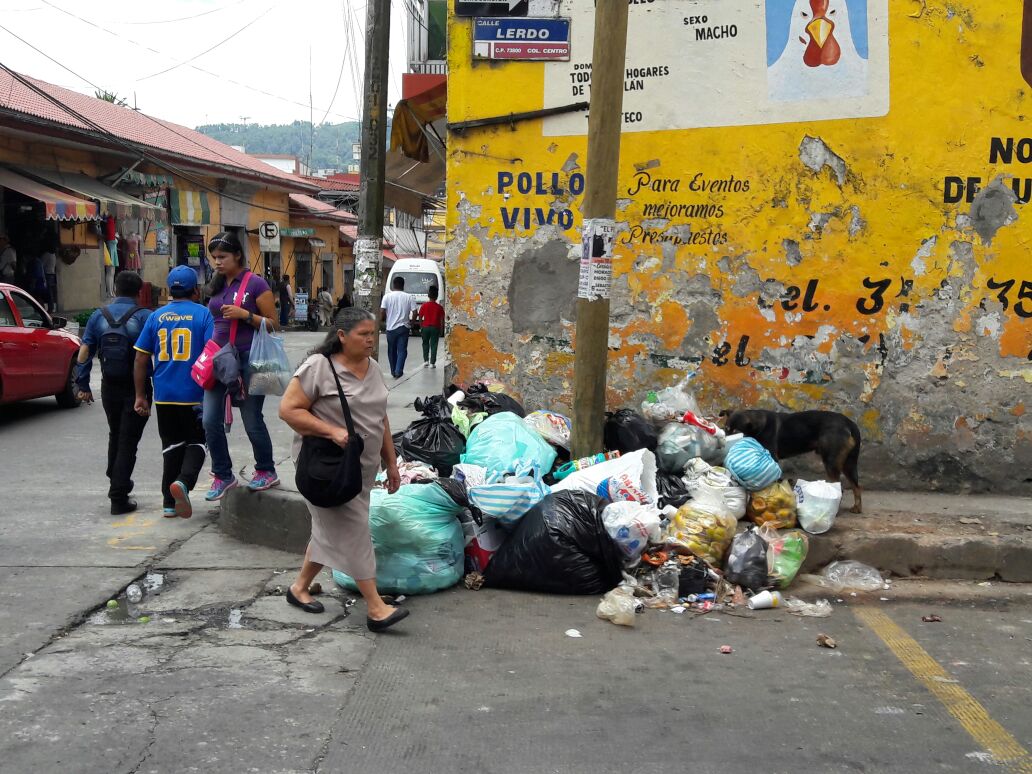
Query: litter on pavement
x,y
673,514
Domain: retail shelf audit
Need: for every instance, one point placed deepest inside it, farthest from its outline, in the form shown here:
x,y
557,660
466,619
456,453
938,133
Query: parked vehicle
x,y
419,275
37,357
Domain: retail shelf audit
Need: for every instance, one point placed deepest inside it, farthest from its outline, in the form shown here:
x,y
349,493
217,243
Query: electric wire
x,y
198,68
85,80
184,18
209,50
135,148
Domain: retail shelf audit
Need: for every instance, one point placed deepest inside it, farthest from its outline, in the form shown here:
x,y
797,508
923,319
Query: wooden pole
x,y
369,245
604,123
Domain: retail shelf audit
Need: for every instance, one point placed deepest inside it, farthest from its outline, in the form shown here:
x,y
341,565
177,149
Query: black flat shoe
x,y
382,626
309,607
122,507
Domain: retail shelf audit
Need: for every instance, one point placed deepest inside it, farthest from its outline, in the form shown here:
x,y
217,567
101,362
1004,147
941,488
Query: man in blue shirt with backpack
x,y
174,338
111,333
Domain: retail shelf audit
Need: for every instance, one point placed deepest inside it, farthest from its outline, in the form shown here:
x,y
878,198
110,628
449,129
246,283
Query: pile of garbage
x,y
672,514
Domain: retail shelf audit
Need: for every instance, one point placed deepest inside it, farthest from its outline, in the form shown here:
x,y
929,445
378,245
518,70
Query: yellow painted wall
x,y
917,324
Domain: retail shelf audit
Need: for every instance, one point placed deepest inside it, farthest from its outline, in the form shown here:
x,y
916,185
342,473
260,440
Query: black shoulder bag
x,y
328,475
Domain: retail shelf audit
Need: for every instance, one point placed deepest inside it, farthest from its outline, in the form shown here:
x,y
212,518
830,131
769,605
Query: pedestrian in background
x,y
343,303
36,279
325,307
49,258
173,338
8,260
312,407
240,300
286,301
431,320
398,308
112,332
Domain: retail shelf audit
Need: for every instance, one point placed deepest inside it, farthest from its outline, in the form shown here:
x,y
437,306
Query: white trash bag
x,y
632,526
817,505
639,467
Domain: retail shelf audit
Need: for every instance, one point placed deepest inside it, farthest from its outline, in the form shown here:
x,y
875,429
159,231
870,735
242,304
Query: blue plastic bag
x,y
503,444
752,465
417,539
507,498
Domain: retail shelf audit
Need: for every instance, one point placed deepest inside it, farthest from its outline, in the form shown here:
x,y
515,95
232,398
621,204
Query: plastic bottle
x,y
583,462
667,578
133,593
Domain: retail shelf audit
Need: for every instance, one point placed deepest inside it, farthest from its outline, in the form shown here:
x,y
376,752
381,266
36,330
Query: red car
x,y
37,358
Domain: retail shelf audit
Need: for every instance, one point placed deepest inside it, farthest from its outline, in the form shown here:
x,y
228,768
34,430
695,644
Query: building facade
x,y
821,205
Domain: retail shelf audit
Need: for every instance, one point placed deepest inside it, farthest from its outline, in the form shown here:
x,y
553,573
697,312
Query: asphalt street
x,y
226,677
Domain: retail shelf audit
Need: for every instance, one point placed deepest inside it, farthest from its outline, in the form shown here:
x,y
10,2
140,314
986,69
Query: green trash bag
x,y
504,444
417,539
786,552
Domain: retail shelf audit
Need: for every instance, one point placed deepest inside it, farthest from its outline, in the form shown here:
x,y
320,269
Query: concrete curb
x,y
275,518
279,518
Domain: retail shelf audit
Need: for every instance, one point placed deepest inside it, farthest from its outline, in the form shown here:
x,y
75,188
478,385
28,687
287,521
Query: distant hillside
x,y
332,146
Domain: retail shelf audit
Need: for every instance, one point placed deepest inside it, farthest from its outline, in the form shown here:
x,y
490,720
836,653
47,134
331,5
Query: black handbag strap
x,y
343,401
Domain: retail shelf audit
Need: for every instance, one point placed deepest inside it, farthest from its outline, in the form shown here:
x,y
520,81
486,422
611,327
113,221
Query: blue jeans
x,y
397,349
254,425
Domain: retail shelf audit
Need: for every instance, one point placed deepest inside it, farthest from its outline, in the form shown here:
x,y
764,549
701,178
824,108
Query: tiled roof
x,y
310,204
329,184
162,137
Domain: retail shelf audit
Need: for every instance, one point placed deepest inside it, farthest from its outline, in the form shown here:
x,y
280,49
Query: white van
x,y
419,275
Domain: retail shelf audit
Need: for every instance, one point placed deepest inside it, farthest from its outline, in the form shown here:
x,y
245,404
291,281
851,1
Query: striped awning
x,y
111,201
59,205
190,208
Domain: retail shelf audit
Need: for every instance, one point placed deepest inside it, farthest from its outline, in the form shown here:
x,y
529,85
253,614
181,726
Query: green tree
x,y
110,96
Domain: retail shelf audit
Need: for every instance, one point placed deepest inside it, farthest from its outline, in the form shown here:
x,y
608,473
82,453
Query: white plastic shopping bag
x,y
817,504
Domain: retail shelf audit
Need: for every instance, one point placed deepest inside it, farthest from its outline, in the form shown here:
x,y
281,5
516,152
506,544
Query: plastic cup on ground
x,y
766,600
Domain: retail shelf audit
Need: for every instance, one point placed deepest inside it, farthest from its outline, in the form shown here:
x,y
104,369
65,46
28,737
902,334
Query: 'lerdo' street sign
x,y
490,7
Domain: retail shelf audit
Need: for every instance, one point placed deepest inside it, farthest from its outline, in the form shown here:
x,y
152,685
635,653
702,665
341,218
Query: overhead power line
x,y
85,80
198,68
184,18
209,50
135,148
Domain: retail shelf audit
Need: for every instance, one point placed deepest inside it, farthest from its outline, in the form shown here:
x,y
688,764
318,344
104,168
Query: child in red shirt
x,y
431,317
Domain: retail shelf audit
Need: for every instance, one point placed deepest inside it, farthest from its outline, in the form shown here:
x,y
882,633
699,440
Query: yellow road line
x,y
972,716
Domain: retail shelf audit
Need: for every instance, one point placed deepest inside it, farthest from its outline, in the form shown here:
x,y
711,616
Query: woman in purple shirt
x,y
249,308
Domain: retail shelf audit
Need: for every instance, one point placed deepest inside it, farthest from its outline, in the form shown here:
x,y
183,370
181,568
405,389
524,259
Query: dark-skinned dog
x,y
833,436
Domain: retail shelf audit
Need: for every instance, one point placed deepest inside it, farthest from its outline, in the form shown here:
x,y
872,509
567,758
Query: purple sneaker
x,y
219,487
263,479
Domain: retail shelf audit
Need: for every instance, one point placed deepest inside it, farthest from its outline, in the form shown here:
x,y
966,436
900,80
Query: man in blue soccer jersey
x,y
174,337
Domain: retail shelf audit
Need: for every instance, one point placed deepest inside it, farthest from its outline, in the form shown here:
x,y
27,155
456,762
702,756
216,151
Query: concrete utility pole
x,y
604,123
369,245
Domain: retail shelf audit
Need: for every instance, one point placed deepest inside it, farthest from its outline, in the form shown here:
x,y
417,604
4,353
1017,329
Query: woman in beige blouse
x,y
340,536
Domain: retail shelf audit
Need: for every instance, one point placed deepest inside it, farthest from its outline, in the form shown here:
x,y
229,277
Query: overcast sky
x,y
262,45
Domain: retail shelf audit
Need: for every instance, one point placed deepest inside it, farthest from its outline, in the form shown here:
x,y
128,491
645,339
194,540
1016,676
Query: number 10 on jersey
x,y
179,338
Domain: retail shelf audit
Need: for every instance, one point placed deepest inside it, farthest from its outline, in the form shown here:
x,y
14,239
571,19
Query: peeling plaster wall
x,y
878,266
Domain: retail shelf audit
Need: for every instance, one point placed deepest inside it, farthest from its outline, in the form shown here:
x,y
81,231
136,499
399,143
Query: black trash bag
x,y
434,407
672,490
747,561
560,546
628,431
435,441
458,492
479,398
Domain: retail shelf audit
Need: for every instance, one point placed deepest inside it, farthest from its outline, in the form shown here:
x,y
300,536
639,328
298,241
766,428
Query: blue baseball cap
x,y
182,278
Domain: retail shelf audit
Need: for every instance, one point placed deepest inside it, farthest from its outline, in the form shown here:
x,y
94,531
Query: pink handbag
x,y
203,369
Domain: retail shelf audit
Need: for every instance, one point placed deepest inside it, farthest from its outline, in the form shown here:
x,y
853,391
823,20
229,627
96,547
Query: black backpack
x,y
116,346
